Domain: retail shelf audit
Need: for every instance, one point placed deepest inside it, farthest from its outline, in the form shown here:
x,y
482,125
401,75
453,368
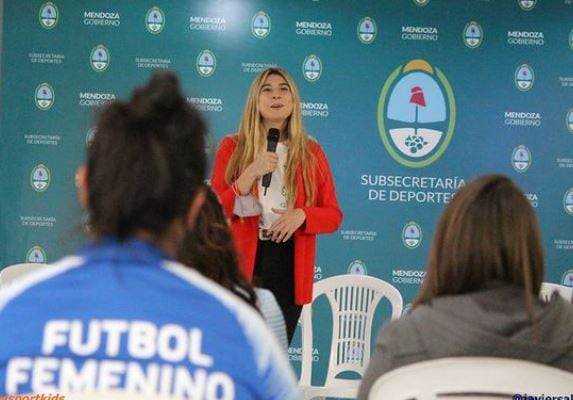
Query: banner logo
x,y
527,5
210,144
36,255
102,18
155,20
357,267
568,201
411,235
525,38
406,309
86,222
367,30
90,136
261,25
524,77
421,3
416,114
312,68
40,178
567,279
313,28
203,23
473,35
521,158
99,58
206,63
48,15
44,96
570,120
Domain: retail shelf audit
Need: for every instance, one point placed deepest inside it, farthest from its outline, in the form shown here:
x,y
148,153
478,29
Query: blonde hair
x,y
252,140
488,233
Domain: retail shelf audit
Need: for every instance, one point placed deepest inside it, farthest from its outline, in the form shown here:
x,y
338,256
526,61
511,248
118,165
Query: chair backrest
x,y
353,301
547,289
471,378
14,272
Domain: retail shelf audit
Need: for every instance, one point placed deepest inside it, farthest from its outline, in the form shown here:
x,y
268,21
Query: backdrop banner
x,y
410,99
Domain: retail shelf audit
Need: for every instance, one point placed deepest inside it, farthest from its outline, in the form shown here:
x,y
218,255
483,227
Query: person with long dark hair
x,y
480,296
209,249
275,227
120,314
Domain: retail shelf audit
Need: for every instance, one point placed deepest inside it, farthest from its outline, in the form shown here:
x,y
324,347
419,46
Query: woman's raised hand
x,y
264,163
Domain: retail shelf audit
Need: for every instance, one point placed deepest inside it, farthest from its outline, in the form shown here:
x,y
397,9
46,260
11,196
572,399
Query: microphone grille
x,y
273,135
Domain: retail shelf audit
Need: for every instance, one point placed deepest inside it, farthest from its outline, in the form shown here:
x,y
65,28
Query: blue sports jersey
x,y
121,315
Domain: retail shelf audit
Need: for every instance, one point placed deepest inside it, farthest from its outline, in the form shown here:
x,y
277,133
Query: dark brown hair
x,y
208,248
488,233
146,160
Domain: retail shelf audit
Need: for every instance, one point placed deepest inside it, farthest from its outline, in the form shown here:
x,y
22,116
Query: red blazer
x,y
324,216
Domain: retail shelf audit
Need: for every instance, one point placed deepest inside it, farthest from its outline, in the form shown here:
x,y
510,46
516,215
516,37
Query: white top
x,y
276,193
272,314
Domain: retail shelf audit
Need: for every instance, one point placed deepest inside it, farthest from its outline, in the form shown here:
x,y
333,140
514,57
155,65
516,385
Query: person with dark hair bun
x,y
480,296
120,314
146,162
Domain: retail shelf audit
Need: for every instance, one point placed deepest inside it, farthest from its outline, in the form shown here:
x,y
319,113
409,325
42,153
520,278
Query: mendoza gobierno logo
x,y
567,279
473,35
524,77
357,267
40,178
527,5
568,201
155,20
44,96
312,68
366,30
411,235
36,255
261,25
206,63
99,58
416,114
48,15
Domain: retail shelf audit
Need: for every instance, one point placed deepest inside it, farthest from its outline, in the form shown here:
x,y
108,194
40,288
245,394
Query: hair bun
x,y
146,161
159,97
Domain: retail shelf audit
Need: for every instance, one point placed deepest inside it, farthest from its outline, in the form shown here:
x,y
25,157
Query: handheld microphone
x,y
272,141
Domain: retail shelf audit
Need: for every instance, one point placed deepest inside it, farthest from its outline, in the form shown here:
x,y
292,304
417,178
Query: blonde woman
x,y
275,230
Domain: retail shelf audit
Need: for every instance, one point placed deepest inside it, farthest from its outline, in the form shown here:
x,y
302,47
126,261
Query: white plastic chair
x,y
547,289
14,272
471,378
353,300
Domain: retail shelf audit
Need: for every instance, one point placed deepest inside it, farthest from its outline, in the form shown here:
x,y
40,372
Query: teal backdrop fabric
x,y
410,99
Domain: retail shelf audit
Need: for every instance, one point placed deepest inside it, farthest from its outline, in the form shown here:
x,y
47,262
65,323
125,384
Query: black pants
x,y
274,270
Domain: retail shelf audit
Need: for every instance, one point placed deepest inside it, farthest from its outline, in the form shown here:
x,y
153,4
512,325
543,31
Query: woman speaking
x,y
277,189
